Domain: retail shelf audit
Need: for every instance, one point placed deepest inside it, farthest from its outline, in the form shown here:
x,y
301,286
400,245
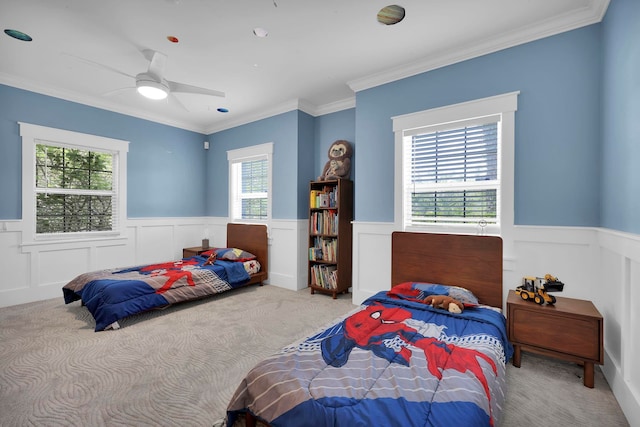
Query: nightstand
x,y
571,329
196,250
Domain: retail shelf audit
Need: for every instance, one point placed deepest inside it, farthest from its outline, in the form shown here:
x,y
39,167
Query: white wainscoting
x,y
617,293
371,247
38,271
595,264
287,254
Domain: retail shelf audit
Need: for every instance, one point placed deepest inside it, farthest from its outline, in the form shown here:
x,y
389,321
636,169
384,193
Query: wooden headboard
x,y
252,238
473,262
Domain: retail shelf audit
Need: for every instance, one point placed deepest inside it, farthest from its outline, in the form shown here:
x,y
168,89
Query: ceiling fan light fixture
x,y
151,89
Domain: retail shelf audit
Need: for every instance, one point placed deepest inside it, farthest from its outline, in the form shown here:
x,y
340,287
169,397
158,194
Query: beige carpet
x,y
180,366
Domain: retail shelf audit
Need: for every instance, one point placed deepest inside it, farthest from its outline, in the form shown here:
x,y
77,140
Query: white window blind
x,y
254,189
453,173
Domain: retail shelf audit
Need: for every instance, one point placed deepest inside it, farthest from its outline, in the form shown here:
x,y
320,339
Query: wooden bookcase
x,y
330,237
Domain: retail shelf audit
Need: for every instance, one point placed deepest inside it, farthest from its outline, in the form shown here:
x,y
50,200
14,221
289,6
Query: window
x,y
453,174
74,189
453,166
74,184
250,183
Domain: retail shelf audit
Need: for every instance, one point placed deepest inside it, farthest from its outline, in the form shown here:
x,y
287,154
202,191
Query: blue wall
x,y
557,126
576,151
282,131
297,137
330,128
306,160
621,117
164,162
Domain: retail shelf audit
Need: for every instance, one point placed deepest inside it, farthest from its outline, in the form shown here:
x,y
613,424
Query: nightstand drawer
x,y
573,336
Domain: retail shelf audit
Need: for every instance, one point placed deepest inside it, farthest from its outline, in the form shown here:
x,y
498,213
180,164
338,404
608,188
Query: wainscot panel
x,y
38,271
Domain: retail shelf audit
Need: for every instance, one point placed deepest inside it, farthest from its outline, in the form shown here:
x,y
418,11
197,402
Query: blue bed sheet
x,y
111,295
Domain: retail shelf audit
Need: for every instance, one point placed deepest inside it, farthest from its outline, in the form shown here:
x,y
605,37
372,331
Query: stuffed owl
x,y
339,164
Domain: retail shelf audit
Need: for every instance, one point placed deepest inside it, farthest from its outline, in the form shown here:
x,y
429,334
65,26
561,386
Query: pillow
x,y
419,291
230,254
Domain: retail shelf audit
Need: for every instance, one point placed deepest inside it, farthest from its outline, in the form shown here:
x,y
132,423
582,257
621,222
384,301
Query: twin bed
x,y
111,295
397,361
393,361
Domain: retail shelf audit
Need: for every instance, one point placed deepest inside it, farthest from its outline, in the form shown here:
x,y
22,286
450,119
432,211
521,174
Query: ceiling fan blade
x,y
99,65
185,88
117,91
158,61
177,101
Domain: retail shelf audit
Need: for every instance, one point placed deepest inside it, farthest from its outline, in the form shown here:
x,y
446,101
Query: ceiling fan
x,y
151,83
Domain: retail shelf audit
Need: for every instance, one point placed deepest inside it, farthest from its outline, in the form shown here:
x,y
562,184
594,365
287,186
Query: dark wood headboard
x,y
473,262
252,238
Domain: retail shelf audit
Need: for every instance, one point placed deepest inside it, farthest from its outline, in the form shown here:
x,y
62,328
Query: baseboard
x,y
627,399
13,297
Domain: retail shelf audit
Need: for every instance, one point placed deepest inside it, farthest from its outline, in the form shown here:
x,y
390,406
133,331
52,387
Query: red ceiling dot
x,y
173,39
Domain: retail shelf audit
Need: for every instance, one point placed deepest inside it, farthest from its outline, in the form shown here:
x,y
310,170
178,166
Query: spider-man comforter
x,y
114,294
392,363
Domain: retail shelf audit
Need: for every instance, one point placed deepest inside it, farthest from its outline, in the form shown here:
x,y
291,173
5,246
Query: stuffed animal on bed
x,y
211,259
339,164
445,302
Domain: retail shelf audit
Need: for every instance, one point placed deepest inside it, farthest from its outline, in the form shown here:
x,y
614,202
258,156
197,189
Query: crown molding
x,y
307,107
591,14
336,106
254,116
93,102
299,104
588,15
285,107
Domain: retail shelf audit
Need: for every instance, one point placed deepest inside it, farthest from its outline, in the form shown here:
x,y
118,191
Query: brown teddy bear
x,y
445,302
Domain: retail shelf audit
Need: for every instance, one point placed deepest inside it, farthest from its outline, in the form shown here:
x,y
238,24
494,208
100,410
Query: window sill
x,y
489,230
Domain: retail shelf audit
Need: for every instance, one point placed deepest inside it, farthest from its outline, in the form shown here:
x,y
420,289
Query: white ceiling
x,y
316,56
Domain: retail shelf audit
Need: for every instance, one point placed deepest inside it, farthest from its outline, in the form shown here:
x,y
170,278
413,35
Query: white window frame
x,y
504,106
240,155
35,134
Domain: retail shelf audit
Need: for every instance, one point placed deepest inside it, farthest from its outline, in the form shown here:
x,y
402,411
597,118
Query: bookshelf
x,y
330,241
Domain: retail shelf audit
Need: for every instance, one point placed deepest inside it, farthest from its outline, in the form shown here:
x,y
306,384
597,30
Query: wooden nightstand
x,y
571,329
196,250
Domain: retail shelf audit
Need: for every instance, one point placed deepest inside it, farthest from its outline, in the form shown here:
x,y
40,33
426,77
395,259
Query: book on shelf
x,y
324,249
315,254
325,198
313,198
324,222
324,276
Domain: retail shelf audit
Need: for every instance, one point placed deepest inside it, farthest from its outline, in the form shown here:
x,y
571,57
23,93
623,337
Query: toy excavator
x,y
537,288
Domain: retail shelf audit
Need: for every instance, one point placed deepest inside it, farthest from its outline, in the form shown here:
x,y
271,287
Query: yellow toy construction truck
x,y
537,289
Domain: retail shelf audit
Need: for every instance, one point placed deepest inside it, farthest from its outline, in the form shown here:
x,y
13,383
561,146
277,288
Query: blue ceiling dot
x,y
18,35
223,110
